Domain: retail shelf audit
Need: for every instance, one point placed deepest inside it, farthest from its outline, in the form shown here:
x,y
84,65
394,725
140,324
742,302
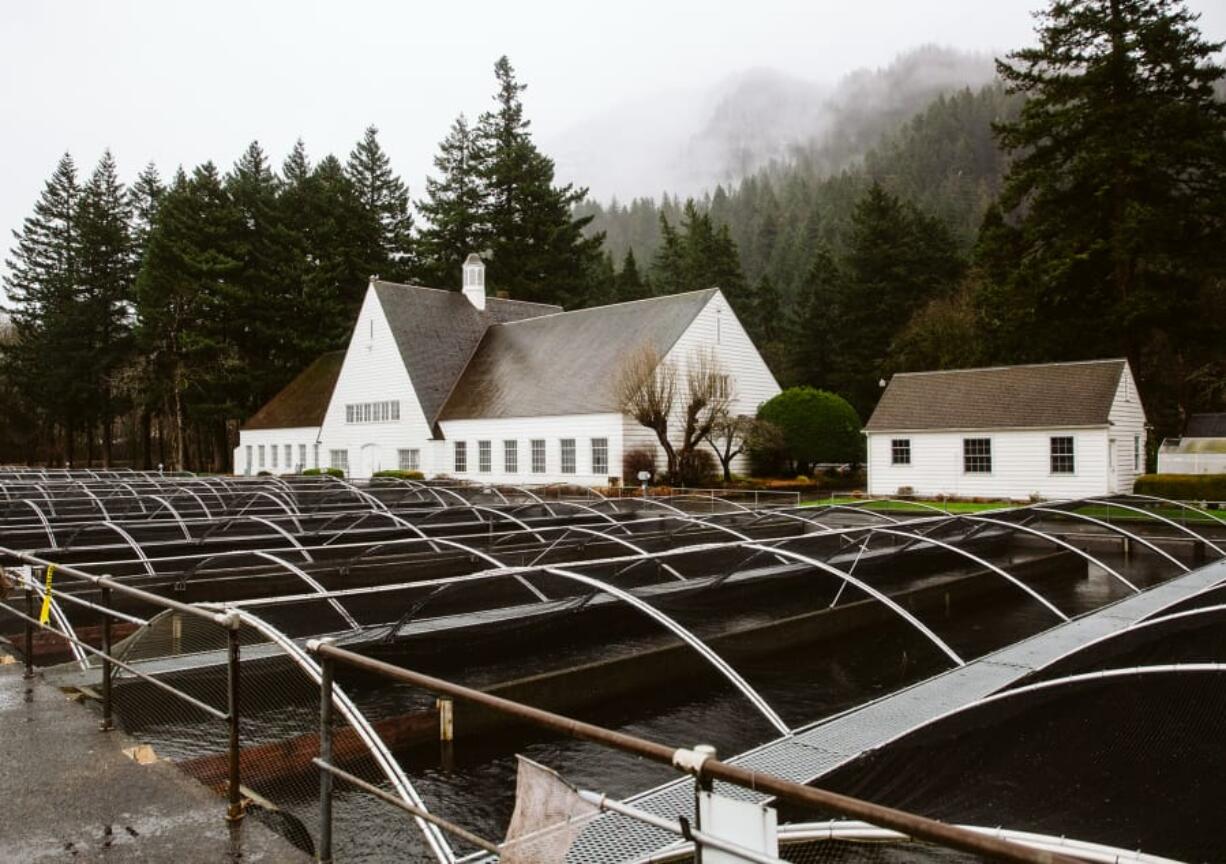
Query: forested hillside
x,y
1073,208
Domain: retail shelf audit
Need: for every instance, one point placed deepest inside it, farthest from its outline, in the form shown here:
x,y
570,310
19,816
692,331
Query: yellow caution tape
x,y
45,615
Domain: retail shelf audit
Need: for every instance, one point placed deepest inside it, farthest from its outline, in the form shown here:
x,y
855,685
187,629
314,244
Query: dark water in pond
x,y
472,782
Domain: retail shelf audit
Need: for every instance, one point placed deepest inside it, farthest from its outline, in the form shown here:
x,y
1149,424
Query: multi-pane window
x,y
316,463
301,455
275,450
339,459
538,455
461,456
372,412
600,456
568,455
977,455
485,458
409,460
510,457
260,450
900,451
1136,453
1063,460
248,458
289,455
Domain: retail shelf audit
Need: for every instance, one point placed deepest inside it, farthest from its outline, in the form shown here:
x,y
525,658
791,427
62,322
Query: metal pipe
x,y
106,724
914,825
325,756
234,812
383,795
29,673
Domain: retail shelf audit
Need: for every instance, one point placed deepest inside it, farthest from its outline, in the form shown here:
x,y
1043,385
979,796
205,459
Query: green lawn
x,y
1096,511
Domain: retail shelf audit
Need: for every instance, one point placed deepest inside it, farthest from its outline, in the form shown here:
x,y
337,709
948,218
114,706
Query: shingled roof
x,y
1206,426
437,332
1043,395
303,401
566,363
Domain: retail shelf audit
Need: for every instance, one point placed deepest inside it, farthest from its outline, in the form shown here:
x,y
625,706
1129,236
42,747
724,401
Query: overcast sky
x,y
179,83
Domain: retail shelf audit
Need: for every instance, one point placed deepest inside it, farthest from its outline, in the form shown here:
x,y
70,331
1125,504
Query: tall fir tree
x,y
455,208
1118,188
41,286
538,247
385,200
106,262
629,284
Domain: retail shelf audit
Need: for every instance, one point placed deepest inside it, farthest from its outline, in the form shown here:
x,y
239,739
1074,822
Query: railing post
x,y
702,783
106,724
326,667
29,673
234,812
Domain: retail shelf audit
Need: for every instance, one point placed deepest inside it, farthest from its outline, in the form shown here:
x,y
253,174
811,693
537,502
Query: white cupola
x,y
474,280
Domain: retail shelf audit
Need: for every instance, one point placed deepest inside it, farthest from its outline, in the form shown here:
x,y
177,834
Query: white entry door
x,y
1113,475
370,459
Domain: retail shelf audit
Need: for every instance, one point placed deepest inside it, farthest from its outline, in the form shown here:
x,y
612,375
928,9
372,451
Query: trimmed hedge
x,y
1183,487
400,475
315,472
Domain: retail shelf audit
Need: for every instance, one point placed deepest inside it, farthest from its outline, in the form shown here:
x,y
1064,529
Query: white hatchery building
x,y
490,389
1051,430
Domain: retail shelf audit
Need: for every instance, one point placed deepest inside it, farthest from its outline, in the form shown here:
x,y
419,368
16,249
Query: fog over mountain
x,y
686,141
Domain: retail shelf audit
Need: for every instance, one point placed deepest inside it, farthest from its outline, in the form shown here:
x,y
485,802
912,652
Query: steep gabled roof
x,y
1043,395
437,331
566,363
303,401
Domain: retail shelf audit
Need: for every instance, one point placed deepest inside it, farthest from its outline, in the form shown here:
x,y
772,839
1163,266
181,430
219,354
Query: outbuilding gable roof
x,y
303,401
566,363
436,332
1042,395
1206,426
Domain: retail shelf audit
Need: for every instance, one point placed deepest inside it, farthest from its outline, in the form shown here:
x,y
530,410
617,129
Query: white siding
x,y
296,438
716,328
1021,464
581,427
374,372
1128,429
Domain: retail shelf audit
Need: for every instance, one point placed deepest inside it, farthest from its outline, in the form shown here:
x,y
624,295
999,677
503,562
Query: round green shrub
x,y
815,427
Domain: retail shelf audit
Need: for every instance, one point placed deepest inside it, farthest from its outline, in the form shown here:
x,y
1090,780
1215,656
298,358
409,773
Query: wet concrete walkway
x,y
69,794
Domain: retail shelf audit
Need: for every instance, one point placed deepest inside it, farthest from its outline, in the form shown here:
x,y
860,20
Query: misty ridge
x,y
684,143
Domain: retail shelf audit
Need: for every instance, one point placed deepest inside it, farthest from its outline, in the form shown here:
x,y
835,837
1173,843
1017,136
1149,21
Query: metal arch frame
x,y
1115,529
256,494
639,550
1131,628
383,757
1198,592
41,518
57,613
463,547
371,500
207,513
1064,543
173,512
95,499
479,508
1152,515
541,502
923,538
310,581
694,496
867,589
796,517
685,635
363,516
136,496
46,497
1181,504
226,521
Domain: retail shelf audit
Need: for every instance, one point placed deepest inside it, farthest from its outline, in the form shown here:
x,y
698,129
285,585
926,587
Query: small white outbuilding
x,y
1050,430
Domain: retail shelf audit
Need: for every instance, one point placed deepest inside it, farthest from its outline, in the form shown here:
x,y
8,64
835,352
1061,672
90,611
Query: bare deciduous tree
x,y
647,390
729,436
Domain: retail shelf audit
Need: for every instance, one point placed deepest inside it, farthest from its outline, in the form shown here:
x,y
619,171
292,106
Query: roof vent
x,y
474,280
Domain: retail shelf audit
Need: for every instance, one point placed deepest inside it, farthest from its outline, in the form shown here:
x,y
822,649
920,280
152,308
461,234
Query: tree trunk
x,y
179,430
146,429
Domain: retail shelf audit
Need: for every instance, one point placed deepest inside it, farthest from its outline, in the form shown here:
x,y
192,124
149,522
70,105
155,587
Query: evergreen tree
x,y
629,284
41,287
385,200
106,263
455,208
1118,184
813,327
538,248
144,196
